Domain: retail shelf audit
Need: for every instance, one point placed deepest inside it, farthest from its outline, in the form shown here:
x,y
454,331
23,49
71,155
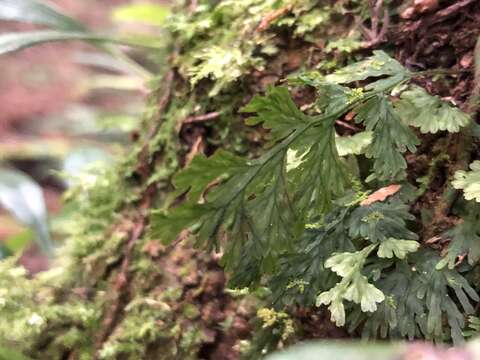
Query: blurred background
x,y
66,106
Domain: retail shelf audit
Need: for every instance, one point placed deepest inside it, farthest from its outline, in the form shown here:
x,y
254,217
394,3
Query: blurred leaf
x,y
143,40
117,82
18,242
100,60
11,42
4,252
340,351
28,147
9,354
37,12
66,29
150,14
20,195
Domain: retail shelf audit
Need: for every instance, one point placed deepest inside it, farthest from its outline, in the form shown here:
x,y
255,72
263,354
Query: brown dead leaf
x,y
466,61
153,248
350,115
381,194
423,6
419,7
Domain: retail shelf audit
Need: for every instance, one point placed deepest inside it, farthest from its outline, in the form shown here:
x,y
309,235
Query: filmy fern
x,y
259,203
287,218
418,299
464,239
353,287
420,109
469,181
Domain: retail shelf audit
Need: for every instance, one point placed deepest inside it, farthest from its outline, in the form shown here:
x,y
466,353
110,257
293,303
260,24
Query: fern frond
x,y
418,108
262,205
391,137
419,298
469,181
465,239
381,221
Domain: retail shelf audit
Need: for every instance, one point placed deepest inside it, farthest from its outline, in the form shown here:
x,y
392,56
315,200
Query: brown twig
x,y
197,148
271,17
202,118
347,125
374,35
440,15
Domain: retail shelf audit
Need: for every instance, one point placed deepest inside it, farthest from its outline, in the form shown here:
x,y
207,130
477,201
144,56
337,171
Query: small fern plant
x,y
299,219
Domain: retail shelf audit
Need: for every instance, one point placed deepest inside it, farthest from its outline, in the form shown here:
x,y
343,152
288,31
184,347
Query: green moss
x,y
191,311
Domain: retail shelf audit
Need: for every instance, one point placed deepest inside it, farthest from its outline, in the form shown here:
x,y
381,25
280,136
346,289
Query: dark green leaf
x,y
381,221
196,178
276,111
391,137
259,204
465,239
418,300
380,64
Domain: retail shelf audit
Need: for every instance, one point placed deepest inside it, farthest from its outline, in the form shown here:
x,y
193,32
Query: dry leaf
x,y
153,248
423,6
381,194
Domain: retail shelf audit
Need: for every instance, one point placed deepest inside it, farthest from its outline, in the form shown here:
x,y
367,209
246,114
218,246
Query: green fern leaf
x,y
355,144
398,248
378,65
277,112
257,202
465,239
381,221
222,163
306,264
419,298
391,137
353,287
469,181
418,108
